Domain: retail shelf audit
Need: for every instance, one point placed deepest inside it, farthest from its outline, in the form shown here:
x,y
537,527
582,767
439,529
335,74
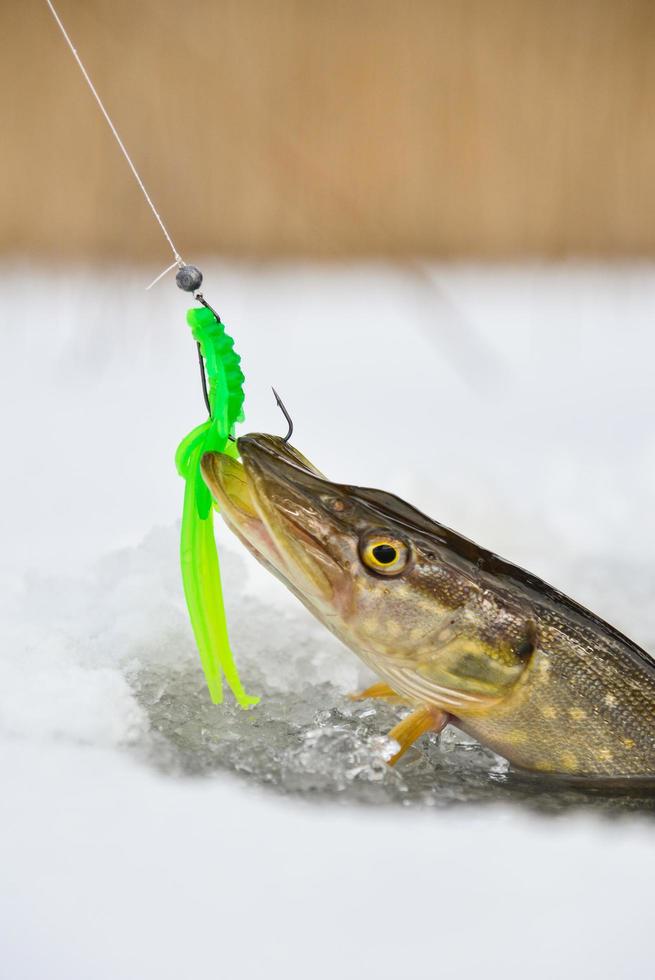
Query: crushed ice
x,y
107,659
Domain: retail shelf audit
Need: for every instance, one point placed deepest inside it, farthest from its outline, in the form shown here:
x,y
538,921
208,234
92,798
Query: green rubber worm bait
x,y
199,558
198,554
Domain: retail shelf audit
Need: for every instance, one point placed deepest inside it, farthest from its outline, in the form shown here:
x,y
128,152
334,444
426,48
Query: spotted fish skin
x,y
582,706
449,625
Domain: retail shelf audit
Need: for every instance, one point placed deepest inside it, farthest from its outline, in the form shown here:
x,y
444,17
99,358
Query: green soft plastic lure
x,y
199,558
198,554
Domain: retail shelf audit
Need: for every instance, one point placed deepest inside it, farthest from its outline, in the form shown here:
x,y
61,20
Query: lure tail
x,y
198,555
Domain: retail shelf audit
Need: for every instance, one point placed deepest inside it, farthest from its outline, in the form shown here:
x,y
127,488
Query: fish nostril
x,y
336,504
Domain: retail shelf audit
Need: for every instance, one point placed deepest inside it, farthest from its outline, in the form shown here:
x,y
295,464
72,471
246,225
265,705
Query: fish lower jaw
x,y
256,537
252,533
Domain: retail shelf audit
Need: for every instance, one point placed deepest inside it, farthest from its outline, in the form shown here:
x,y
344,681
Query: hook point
x,y
283,409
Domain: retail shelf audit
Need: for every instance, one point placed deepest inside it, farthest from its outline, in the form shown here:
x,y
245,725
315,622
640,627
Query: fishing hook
x,y
201,299
282,408
203,377
201,360
203,380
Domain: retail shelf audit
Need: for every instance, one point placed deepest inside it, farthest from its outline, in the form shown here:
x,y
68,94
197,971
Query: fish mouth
x,y
270,500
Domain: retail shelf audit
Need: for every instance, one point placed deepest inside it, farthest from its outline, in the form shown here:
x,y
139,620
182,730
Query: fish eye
x,y
384,554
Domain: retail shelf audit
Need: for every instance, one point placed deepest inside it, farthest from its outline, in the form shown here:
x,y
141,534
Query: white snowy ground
x,y
144,834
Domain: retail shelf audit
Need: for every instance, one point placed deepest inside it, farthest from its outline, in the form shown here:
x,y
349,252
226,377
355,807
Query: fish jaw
x,y
271,501
227,482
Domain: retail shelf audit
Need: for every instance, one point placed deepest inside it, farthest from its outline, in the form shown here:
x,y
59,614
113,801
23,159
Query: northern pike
x,y
453,631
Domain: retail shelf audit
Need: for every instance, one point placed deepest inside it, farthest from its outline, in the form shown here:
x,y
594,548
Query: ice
x,y
107,659
148,834
531,378
114,651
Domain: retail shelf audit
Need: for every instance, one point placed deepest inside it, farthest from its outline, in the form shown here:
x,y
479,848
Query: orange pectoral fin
x,y
407,731
379,690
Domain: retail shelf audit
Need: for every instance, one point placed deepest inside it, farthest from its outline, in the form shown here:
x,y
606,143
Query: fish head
x,y
341,549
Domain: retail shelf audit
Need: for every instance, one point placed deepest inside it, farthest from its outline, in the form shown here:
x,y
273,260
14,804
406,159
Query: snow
x,y
145,833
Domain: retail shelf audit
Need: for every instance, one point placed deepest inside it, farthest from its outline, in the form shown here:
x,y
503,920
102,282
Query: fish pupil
x,y
384,553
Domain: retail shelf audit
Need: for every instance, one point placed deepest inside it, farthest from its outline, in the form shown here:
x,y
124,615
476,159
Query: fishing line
x,y
222,388
178,259
189,278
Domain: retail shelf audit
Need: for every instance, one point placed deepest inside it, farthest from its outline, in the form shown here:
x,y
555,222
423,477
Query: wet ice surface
x,y
527,423
117,644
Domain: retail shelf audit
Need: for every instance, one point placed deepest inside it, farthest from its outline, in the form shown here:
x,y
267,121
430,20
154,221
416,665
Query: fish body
x,y
449,627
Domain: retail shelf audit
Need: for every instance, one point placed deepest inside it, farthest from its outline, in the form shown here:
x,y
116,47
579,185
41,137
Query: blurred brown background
x,y
492,128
